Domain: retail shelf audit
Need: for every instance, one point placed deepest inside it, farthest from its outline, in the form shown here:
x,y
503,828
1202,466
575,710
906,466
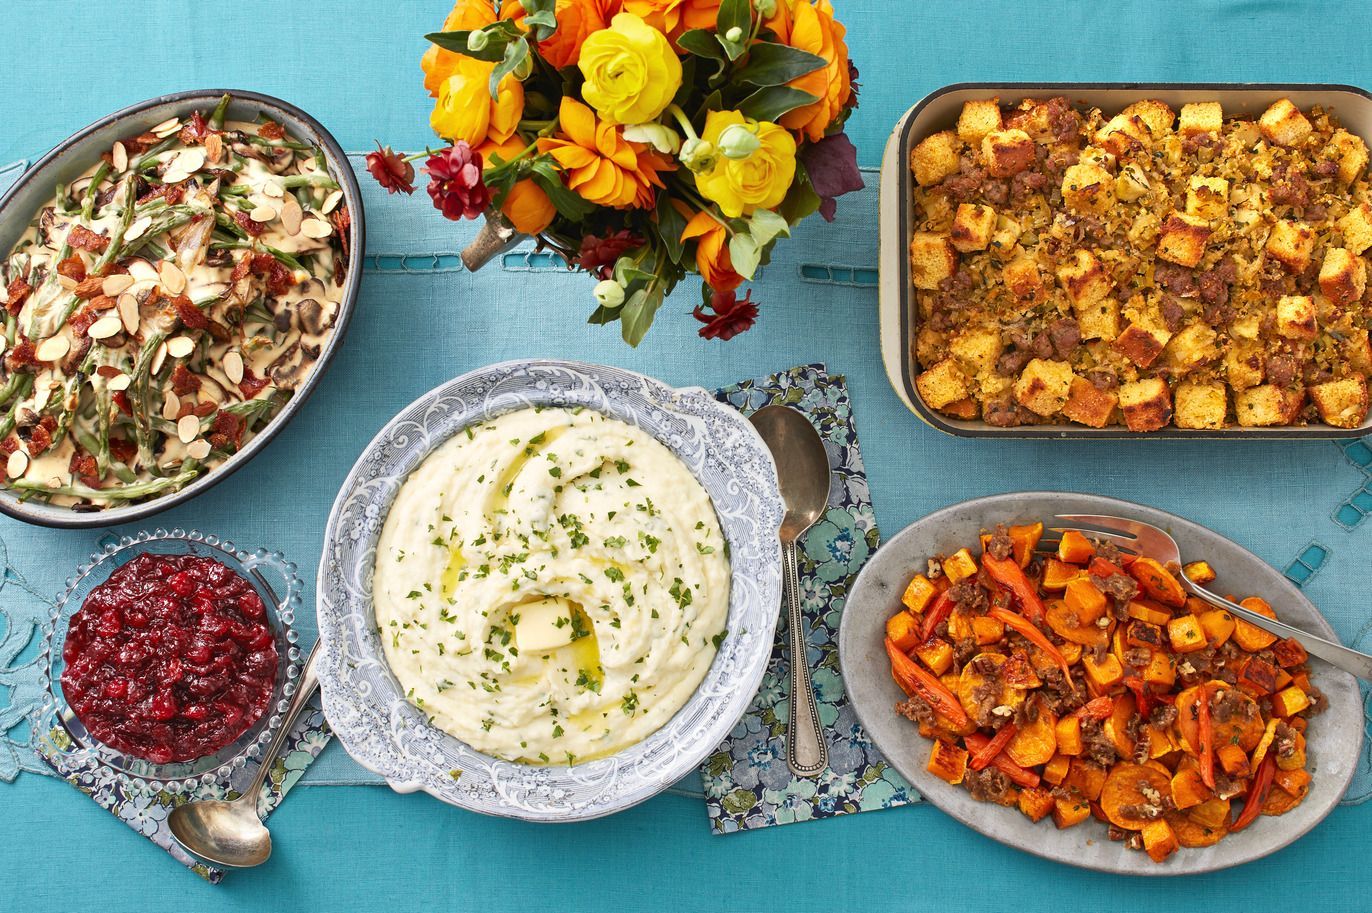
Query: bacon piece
x,y
251,384
9,445
40,438
73,268
141,143
19,292
81,321
21,356
190,315
249,224
122,450
227,432
84,467
172,193
342,221
184,382
279,279
82,238
121,402
195,132
271,130
241,269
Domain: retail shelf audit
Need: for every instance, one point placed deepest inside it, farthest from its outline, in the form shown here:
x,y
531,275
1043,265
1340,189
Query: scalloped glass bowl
x,y
280,595
365,705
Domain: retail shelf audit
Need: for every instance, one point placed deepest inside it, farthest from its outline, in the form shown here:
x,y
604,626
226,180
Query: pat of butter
x,y
544,625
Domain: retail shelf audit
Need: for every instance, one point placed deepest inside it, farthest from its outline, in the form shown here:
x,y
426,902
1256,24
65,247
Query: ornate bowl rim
x,y
389,737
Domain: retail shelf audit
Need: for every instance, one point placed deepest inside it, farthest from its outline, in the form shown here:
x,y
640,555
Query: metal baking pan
x,y
939,111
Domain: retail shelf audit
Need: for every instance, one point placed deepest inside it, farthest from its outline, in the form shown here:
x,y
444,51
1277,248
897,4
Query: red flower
x,y
390,169
732,315
455,182
598,255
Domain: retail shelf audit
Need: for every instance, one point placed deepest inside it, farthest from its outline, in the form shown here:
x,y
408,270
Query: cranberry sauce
x,y
171,659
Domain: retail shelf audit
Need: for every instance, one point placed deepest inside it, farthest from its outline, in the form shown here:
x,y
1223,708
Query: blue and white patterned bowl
x,y
365,704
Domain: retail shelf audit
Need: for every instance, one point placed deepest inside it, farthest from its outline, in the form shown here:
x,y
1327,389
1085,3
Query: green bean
x,y
149,157
122,226
220,110
22,390
138,398
123,493
17,384
275,144
285,258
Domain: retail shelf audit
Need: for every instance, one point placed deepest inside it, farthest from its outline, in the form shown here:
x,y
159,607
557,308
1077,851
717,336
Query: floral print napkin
x,y
747,783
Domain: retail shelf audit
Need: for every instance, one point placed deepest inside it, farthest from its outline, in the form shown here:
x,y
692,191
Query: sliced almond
x,y
141,270
167,127
171,277
291,215
180,346
135,231
316,228
331,202
188,427
233,367
263,213
157,358
105,327
116,285
171,407
52,348
273,189
119,157
128,313
174,176
67,282
214,147
189,161
198,450
41,396
119,382
17,463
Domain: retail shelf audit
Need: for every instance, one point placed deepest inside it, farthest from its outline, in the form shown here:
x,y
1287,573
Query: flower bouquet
x,y
642,140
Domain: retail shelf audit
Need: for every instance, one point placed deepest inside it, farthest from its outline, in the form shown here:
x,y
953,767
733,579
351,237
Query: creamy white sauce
x,y
543,504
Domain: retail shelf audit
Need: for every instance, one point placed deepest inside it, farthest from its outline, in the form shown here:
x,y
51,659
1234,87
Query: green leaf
x,y
603,315
499,35
670,225
516,52
766,225
769,103
637,314
734,14
567,202
701,43
745,253
776,64
801,200
542,17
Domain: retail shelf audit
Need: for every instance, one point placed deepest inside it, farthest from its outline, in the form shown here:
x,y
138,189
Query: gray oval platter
x,y
1334,738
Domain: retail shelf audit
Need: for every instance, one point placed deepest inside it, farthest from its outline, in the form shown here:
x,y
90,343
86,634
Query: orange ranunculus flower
x,y
601,166
526,206
466,111
575,20
438,64
811,26
712,252
672,17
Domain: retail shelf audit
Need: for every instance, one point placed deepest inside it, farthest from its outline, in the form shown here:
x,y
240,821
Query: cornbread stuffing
x,y
1146,269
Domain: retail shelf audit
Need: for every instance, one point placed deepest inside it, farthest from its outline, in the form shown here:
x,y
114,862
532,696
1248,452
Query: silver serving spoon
x,y
803,473
230,833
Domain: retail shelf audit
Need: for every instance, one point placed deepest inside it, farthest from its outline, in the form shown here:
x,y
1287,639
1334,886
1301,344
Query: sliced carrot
x,y
1206,737
983,756
1257,793
1008,573
914,680
1035,637
943,605
976,741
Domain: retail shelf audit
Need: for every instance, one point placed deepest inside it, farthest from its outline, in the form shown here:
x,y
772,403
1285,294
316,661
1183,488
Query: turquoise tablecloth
x,y
354,65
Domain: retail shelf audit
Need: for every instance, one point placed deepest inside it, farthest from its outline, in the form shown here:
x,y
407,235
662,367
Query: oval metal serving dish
x,y
1334,738
367,707
73,156
939,110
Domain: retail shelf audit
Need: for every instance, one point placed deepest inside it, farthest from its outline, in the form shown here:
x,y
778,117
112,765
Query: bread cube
x,y
1201,405
1351,154
935,158
1356,227
1183,238
942,384
1146,404
1296,317
972,227
1342,403
1207,198
1343,276
1200,117
1124,133
977,349
1022,278
1291,243
1007,152
1031,116
1156,116
1099,320
1357,348
1088,188
1087,404
1131,183
1243,365
979,118
1089,290
932,259
1194,346
1142,344
1043,386
1283,124
1265,404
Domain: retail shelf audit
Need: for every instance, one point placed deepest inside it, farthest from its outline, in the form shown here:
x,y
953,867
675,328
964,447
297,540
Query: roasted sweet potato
x,y
1074,548
1295,760
1085,599
1055,771
1161,671
947,761
1036,803
1086,777
1133,795
1218,626
1241,728
959,565
1068,625
970,679
1199,572
903,629
1186,634
1116,726
1158,582
1289,701
1159,840
1057,574
1069,812
937,654
1026,539
919,594
1191,833
1233,760
1249,636
1211,813
1187,789
1105,673
1035,743
1067,732
1256,676
1151,612
986,629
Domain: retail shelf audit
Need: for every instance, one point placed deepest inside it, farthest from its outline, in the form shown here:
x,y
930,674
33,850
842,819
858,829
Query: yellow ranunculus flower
x,y
466,111
631,71
759,181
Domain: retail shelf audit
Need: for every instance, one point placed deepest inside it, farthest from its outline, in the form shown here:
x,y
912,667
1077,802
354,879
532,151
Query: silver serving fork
x,y
1143,539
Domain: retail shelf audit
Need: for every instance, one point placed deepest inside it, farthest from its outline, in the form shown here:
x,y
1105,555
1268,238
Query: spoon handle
x,y
304,687
806,752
